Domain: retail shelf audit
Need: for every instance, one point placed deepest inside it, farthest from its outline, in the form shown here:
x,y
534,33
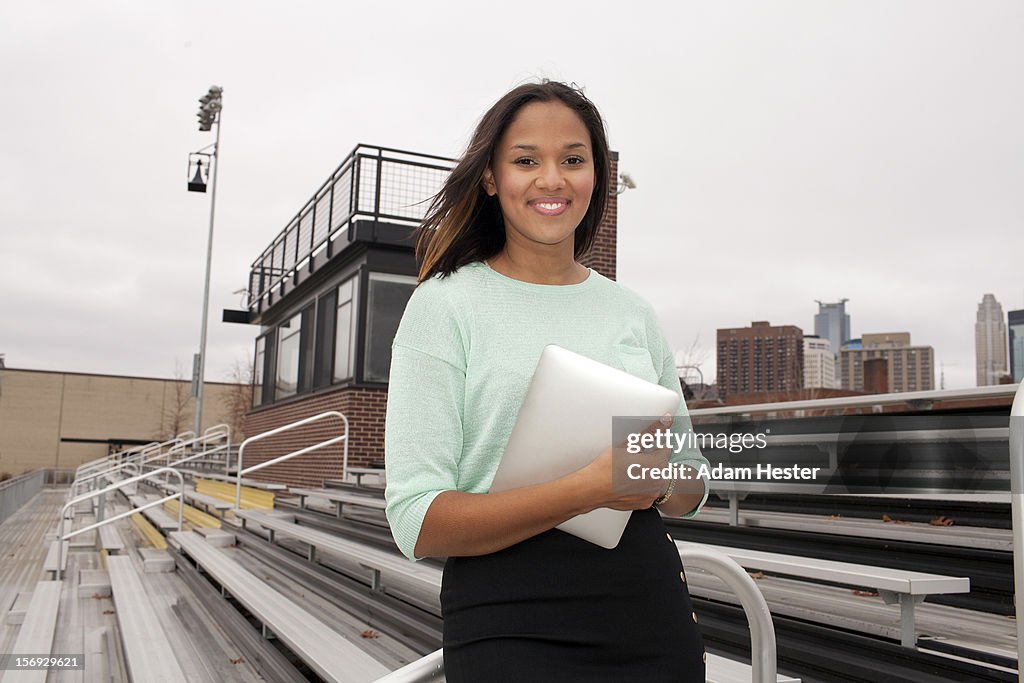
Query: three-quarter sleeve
x,y
423,433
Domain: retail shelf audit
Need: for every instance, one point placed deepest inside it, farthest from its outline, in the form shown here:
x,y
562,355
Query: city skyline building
x,y
819,363
910,368
760,358
832,322
1015,341
989,342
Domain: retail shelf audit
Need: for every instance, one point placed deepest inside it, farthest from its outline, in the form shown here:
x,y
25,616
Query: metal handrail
x,y
222,425
863,401
200,454
131,460
60,527
430,668
762,630
122,456
282,458
15,492
205,438
140,458
200,440
1017,515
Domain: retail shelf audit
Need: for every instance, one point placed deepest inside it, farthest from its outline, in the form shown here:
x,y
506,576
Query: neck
x,y
541,269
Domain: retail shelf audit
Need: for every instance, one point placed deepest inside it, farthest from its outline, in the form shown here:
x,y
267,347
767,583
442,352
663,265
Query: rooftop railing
x,y
373,183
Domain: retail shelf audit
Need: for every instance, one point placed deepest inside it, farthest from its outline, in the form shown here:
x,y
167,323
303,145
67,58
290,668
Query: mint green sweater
x,y
461,363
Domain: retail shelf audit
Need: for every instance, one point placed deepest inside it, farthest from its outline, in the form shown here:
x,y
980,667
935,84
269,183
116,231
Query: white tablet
x,y
565,422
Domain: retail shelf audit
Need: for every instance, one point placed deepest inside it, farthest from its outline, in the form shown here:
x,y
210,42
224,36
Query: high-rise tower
x,y
990,341
832,322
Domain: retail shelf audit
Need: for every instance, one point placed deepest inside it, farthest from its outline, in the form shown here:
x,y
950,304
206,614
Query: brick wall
x,y
602,256
364,409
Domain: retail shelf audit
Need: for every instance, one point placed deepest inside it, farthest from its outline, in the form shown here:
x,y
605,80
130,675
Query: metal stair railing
x,y
209,436
106,461
141,458
129,454
137,459
17,491
287,456
430,668
201,454
61,537
132,461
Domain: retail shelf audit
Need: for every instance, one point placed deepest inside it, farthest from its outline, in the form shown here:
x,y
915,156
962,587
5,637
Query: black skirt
x,y
558,608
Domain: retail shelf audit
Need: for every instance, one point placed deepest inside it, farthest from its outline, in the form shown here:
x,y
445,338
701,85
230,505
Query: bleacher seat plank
x,y
50,563
425,577
881,578
342,497
329,654
37,630
155,514
895,586
147,650
110,539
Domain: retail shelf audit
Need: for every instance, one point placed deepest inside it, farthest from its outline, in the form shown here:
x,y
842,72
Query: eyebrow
x,y
533,148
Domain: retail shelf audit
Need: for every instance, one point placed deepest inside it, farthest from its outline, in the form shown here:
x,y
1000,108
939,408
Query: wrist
x,y
582,495
666,493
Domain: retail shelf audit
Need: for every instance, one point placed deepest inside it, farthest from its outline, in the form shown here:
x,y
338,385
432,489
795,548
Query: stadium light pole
x,y
210,106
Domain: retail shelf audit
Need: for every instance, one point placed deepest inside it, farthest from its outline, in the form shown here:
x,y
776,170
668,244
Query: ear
x,y
488,183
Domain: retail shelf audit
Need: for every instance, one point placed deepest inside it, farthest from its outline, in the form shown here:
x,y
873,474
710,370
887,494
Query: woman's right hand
x,y
605,481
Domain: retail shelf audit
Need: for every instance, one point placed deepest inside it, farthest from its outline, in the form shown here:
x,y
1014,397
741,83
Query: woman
x,y
499,280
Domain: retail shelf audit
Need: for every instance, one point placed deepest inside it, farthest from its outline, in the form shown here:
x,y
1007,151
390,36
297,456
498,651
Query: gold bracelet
x,y
668,493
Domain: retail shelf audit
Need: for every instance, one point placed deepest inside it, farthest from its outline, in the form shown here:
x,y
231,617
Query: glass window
x,y
288,348
345,330
257,374
323,348
387,297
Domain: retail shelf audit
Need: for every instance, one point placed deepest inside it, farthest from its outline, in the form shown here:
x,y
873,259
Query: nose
x,y
550,177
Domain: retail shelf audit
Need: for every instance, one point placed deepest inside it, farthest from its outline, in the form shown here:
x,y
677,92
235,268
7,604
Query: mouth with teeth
x,y
550,206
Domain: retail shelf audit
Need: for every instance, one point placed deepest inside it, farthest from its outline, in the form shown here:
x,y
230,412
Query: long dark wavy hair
x,y
464,224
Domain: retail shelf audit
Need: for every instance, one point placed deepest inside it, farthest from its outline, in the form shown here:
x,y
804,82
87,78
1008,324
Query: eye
x,y
575,160
524,161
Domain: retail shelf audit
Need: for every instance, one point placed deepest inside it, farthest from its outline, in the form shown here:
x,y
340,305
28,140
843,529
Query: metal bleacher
x,y
296,589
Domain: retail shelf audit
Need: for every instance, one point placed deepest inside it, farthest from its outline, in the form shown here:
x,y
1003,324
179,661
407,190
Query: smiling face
x,y
543,174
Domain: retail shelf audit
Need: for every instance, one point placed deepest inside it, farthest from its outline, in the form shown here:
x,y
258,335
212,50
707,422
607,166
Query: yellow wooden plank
x,y
149,532
194,516
221,490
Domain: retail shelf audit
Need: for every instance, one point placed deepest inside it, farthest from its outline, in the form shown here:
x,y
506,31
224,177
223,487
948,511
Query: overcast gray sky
x,y
783,151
